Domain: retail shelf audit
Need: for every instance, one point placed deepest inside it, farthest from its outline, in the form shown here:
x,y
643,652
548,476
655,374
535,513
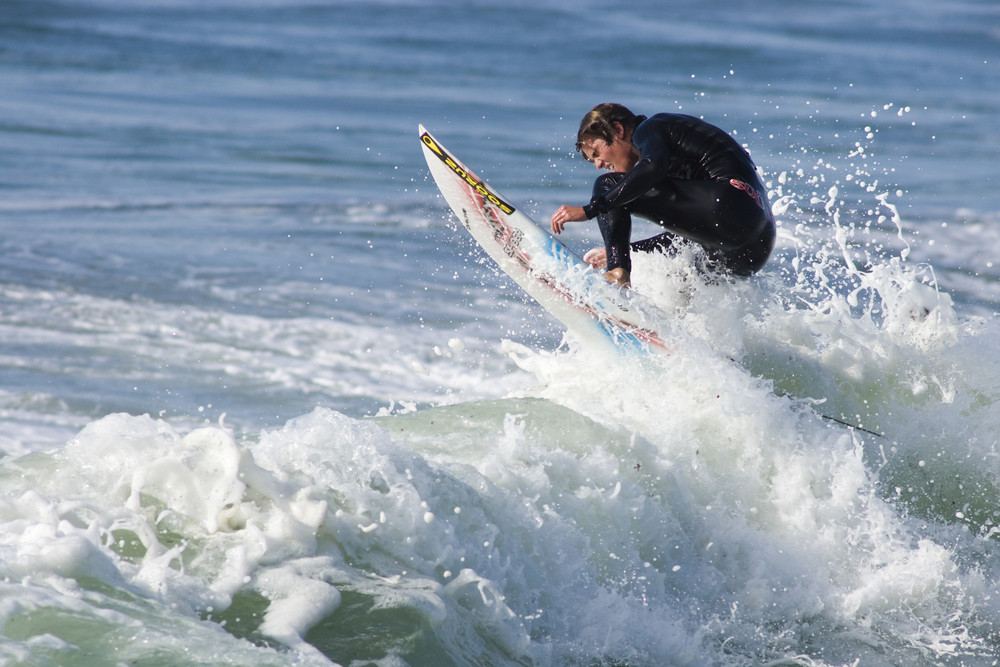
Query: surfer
x,y
680,172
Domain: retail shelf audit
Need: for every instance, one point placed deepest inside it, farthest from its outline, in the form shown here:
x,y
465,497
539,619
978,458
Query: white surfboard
x,y
566,286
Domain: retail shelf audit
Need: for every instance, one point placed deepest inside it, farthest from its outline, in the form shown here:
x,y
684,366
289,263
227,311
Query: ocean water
x,y
262,402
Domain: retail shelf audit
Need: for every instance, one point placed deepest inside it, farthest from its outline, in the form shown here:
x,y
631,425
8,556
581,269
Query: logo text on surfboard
x,y
459,170
512,243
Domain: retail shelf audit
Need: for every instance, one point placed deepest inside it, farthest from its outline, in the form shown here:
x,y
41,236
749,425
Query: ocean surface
x,y
263,402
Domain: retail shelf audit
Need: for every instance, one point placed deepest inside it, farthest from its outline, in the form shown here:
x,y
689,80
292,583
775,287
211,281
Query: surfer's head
x,y
605,137
607,121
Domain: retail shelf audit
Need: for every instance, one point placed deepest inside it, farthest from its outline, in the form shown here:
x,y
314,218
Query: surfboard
x,y
594,310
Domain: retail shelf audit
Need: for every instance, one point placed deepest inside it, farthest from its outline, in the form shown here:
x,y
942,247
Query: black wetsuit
x,y
697,182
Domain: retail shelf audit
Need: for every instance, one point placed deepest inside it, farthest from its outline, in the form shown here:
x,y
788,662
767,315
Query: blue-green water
x,y
262,402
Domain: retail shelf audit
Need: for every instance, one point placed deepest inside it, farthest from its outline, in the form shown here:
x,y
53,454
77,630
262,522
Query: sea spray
x,y
807,476
132,530
830,487
670,510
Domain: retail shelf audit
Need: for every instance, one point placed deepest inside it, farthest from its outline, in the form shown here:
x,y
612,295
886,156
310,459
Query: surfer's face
x,y
616,156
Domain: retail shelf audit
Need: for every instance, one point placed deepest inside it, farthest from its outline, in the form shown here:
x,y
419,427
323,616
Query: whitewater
x,y
263,401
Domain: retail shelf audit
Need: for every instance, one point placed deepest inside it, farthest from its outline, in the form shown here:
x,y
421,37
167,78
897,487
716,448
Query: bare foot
x,y
618,277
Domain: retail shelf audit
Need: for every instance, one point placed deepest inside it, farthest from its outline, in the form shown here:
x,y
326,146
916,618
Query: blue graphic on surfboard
x,y
578,296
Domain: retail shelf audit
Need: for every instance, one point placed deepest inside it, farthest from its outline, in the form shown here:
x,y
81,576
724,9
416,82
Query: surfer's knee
x,y
752,257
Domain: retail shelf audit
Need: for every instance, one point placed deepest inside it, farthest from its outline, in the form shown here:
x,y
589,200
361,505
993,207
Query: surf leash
x,y
852,426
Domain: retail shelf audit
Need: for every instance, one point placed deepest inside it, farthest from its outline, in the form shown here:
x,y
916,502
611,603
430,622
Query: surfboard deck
x,y
559,280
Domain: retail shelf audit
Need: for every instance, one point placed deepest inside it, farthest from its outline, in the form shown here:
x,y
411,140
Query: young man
x,y
688,176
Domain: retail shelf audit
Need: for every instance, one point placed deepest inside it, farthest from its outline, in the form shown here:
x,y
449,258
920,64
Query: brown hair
x,y
599,123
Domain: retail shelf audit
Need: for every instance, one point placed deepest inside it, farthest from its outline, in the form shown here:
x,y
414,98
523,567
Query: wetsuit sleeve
x,y
646,174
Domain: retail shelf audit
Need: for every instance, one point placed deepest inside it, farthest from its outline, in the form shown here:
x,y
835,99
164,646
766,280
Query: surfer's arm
x,y
566,214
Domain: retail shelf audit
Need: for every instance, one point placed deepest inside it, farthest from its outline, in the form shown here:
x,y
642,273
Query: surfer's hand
x,y
597,258
566,214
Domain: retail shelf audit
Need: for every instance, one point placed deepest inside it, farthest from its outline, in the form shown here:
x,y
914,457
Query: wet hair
x,y
599,123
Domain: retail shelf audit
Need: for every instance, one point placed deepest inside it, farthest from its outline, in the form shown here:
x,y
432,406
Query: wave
x,y
808,477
